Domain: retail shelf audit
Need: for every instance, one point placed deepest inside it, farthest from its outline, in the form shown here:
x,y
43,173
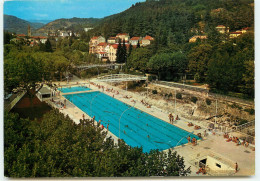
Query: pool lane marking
x,y
137,126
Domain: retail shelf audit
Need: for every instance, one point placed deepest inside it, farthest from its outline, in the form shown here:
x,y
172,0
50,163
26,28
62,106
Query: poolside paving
x,y
245,157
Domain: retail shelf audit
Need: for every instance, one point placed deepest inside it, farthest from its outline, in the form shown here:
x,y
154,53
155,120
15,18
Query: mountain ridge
x,y
18,25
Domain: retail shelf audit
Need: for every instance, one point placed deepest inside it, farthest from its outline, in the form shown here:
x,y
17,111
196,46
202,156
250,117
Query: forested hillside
x,y
225,64
173,20
73,24
19,26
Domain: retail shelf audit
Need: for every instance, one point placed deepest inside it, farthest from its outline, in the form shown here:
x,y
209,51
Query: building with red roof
x,y
222,29
112,40
123,36
147,40
194,38
134,40
235,34
94,41
21,35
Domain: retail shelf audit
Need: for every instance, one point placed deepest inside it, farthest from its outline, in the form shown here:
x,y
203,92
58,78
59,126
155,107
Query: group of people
x,y
196,127
201,170
171,118
190,124
236,140
193,140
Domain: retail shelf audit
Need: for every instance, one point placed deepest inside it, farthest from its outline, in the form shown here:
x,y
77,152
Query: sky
x,y
56,9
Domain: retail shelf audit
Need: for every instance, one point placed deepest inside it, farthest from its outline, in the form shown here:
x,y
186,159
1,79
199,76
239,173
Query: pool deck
x,y
245,157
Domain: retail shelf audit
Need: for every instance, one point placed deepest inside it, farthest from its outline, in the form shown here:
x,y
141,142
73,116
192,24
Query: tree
x,y
25,70
48,47
198,60
57,147
124,53
119,52
139,58
138,44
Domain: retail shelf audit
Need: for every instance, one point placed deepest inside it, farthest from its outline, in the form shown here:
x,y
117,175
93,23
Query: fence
x,y
231,99
182,86
204,90
244,126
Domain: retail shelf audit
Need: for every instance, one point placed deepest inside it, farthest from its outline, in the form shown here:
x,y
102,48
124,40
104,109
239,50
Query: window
x,y
218,165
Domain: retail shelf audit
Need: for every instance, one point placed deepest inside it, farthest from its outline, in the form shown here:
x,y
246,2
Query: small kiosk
x,y
44,94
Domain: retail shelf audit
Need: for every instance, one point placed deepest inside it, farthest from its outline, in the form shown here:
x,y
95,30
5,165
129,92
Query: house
x,y
134,40
94,41
244,30
235,34
194,38
123,36
21,35
101,47
112,52
43,39
64,34
38,39
87,29
102,55
112,40
146,40
15,40
222,29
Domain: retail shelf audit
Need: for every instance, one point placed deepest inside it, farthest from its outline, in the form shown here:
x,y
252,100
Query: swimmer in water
x,y
148,136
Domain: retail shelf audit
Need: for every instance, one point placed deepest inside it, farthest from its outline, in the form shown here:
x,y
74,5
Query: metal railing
x,y
120,78
244,126
182,86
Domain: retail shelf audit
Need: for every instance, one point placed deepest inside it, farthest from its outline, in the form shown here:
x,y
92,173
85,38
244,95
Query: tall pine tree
x,y
48,47
138,44
124,53
118,52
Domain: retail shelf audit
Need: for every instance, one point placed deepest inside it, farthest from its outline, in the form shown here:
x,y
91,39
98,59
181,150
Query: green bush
x,y
170,95
243,121
236,106
250,111
208,101
194,99
178,96
154,91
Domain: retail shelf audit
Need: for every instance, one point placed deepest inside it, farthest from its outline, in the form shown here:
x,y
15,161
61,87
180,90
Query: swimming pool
x,y
135,125
73,89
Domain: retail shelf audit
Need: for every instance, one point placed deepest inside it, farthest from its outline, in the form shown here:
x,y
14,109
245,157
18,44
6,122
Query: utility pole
x,y
175,103
216,113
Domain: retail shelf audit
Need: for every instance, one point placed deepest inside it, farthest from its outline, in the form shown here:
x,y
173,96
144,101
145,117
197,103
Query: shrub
x,y
250,111
243,121
236,106
208,101
154,91
194,99
170,95
178,96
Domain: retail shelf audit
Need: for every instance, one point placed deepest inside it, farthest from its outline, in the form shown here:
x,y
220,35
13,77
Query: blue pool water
x,y
73,89
135,124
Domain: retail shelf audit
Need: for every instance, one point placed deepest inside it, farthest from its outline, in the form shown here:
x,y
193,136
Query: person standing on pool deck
x,y
188,139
